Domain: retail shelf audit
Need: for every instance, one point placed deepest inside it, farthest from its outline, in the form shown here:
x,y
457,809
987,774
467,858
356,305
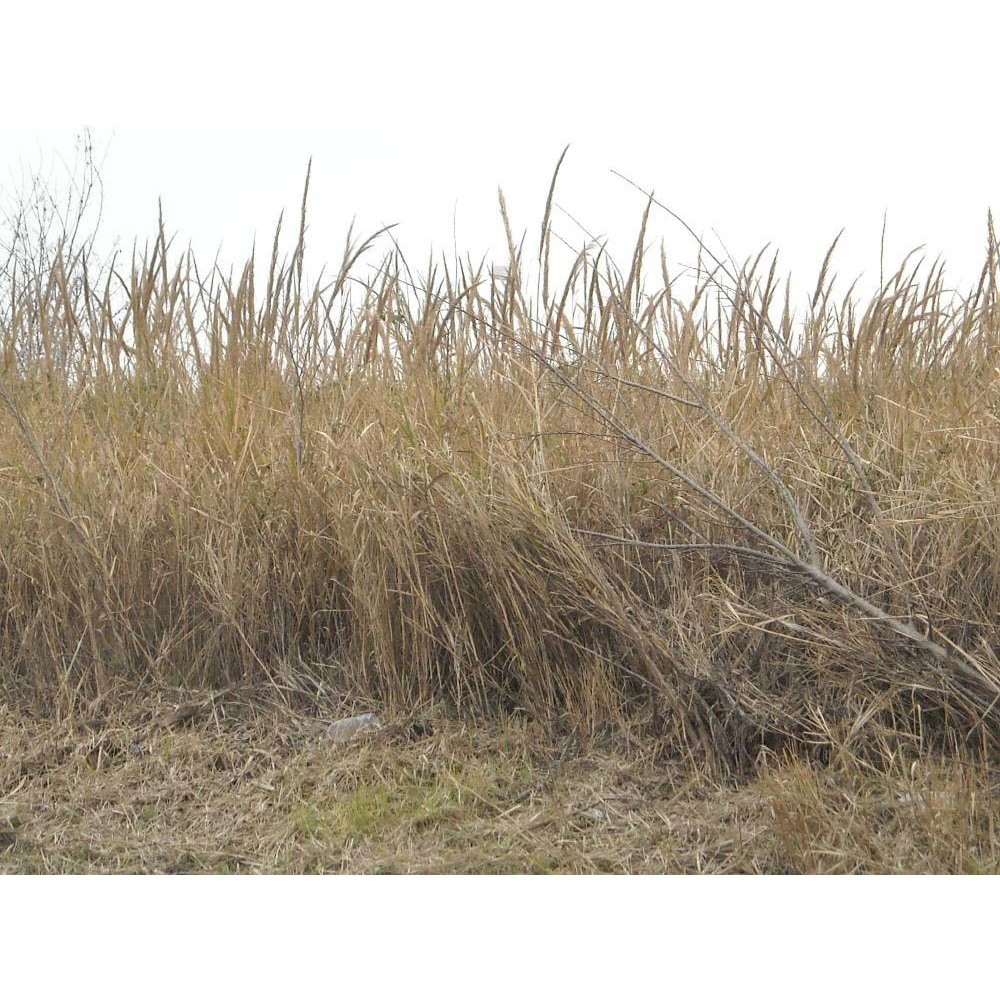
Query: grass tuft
x,y
586,504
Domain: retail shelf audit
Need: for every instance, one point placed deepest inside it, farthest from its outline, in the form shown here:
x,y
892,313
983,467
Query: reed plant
x,y
570,494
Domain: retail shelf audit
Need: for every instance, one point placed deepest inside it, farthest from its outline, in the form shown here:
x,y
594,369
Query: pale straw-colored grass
x,y
582,499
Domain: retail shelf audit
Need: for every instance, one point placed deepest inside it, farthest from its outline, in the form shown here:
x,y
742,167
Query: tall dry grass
x,y
578,495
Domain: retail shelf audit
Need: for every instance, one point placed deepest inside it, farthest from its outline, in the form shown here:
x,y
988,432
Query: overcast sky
x,y
768,123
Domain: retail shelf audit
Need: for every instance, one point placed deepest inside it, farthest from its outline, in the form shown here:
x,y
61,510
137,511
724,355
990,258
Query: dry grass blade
x,y
389,483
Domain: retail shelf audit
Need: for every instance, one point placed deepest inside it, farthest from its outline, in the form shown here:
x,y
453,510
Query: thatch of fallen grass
x,y
248,785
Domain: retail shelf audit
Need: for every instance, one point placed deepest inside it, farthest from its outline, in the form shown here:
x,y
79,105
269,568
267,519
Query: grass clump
x,y
583,500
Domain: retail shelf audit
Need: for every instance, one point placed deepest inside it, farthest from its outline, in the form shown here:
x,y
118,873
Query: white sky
x,y
771,122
